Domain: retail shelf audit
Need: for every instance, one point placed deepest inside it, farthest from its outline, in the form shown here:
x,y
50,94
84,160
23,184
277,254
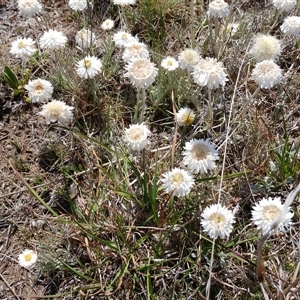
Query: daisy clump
x,y
89,67
266,74
169,63
178,182
188,58
291,26
39,90
85,38
23,47
57,111
200,156
218,9
136,136
141,72
27,258
265,47
209,72
185,116
266,211
217,221
53,40
78,4
29,7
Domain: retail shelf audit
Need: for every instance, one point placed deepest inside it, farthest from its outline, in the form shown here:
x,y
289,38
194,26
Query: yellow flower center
x,y
28,257
270,212
136,134
177,178
141,69
188,118
87,63
21,44
199,151
39,87
217,219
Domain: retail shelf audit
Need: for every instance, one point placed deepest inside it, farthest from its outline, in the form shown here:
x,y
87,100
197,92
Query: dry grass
x,y
94,210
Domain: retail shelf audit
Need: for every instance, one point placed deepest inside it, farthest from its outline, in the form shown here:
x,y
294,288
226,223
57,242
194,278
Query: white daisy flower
x,y
134,50
218,9
169,63
53,40
39,90
217,220
200,156
27,258
78,4
266,74
136,136
23,47
141,72
284,5
122,37
185,116
85,38
178,182
57,111
124,2
188,58
230,29
291,26
265,212
209,72
265,47
89,67
108,24
29,7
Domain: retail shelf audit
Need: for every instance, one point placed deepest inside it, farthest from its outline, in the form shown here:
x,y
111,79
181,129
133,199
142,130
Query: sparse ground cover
x,y
138,168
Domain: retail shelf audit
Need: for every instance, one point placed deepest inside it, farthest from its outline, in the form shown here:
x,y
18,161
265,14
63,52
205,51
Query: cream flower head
x,y
200,156
188,58
85,38
185,116
284,5
78,4
23,47
209,72
265,47
136,136
266,74
27,258
89,67
218,9
57,111
291,26
169,63
141,72
39,90
134,50
29,7
266,211
108,24
178,182
217,221
53,40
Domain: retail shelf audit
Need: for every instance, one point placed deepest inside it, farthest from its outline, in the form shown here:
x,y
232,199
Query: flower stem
x,y
210,117
143,110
